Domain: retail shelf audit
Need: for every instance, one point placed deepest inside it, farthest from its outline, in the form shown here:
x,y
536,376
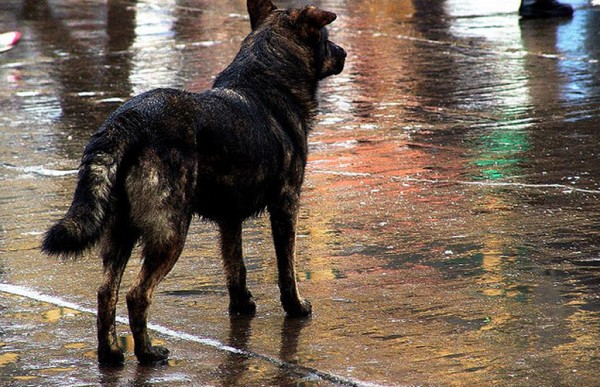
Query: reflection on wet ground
x,y
449,228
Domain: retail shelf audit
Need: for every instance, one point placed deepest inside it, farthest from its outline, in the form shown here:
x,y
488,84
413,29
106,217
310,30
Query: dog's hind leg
x,y
240,298
283,225
115,252
159,259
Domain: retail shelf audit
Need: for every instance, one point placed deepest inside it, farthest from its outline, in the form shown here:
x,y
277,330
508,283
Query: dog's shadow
x,y
234,370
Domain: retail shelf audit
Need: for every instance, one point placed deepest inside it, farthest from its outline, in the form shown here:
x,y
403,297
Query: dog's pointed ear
x,y
315,17
259,10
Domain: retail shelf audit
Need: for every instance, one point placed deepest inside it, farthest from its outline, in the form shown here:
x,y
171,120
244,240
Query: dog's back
x,y
218,154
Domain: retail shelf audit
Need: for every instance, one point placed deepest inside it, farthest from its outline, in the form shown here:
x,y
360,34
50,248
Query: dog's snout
x,y
339,50
341,55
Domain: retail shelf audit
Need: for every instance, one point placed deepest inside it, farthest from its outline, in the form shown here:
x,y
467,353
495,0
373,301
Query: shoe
x,y
544,9
8,40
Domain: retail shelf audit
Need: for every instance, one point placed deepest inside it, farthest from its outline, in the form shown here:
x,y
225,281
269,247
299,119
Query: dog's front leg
x,y
240,298
283,225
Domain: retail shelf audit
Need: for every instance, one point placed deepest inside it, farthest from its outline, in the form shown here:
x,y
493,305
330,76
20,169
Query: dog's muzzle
x,y
340,55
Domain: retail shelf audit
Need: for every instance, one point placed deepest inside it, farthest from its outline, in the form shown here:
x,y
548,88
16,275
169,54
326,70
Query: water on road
x,y
450,214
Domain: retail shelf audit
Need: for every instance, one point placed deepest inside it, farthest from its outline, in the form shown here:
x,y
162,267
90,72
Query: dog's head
x,y
305,26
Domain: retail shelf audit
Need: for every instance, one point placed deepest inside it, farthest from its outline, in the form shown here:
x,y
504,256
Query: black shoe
x,y
545,8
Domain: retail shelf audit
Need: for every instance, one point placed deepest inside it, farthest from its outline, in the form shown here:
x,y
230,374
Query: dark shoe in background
x,y
545,9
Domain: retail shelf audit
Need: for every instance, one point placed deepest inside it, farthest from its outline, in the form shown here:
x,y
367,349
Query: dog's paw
x,y
245,308
152,355
111,356
302,308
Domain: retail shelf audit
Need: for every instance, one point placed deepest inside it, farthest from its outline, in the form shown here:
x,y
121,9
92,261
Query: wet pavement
x,y
449,232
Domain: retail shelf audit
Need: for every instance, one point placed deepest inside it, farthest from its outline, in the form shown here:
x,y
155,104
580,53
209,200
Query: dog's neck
x,y
294,90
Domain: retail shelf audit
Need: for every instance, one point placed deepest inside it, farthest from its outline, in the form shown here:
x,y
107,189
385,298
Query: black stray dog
x,y
226,154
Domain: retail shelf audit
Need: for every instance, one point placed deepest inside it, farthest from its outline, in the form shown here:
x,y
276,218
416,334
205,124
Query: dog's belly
x,y
222,204
233,196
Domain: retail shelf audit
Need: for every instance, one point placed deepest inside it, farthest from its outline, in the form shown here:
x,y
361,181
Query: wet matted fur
x,y
226,154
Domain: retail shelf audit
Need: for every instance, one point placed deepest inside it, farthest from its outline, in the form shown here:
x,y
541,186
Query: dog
x,y
226,154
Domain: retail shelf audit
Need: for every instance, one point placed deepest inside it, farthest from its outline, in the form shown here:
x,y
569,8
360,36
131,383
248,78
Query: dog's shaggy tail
x,y
83,224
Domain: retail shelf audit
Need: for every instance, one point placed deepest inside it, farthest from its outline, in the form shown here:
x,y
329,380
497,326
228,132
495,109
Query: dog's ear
x,y
315,17
259,10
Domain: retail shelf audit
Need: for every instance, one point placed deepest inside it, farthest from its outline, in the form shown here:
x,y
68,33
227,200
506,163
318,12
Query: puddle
x,y
56,314
8,358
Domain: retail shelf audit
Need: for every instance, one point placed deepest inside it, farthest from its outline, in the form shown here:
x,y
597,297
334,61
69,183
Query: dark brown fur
x,y
227,154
